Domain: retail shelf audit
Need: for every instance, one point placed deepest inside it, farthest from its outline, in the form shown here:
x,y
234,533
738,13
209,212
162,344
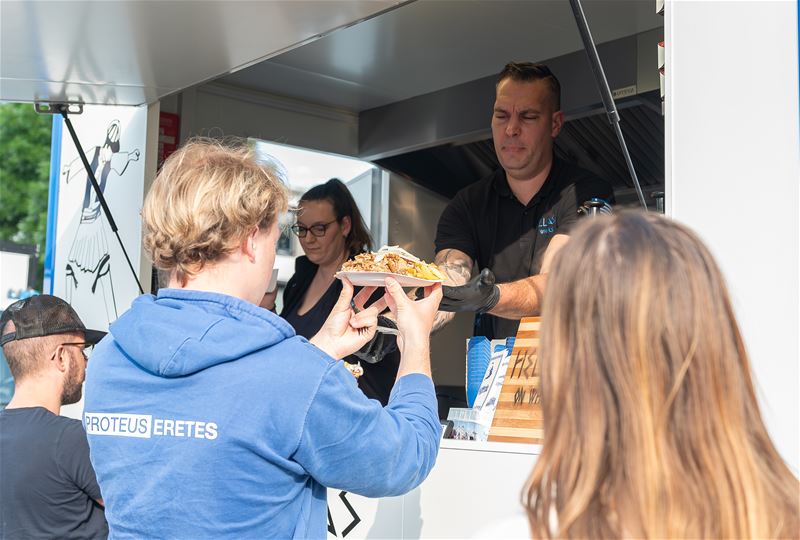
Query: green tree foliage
x,y
24,175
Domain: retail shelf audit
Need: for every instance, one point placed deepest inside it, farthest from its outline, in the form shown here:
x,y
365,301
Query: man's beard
x,y
73,387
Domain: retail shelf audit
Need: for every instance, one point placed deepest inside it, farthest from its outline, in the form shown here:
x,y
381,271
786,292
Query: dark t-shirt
x,y
48,488
378,379
487,222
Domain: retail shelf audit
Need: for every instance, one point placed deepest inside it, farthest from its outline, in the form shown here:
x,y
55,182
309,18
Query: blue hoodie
x,y
208,418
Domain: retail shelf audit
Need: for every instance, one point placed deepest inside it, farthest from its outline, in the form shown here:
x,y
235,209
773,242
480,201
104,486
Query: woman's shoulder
x,y
304,271
303,265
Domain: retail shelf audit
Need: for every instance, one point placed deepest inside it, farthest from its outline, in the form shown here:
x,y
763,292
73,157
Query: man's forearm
x,y
521,298
325,345
415,358
442,318
524,298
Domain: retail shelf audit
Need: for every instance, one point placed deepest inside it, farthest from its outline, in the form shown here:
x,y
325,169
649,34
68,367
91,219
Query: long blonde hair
x,y
652,429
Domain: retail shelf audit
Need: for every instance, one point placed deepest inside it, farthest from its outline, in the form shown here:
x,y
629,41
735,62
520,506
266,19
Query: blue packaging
x,y
510,343
479,352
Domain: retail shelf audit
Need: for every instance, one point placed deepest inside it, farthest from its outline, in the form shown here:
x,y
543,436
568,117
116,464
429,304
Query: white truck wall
x,y
732,173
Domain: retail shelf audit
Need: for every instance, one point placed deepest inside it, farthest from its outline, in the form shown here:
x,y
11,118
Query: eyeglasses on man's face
x,y
318,229
86,348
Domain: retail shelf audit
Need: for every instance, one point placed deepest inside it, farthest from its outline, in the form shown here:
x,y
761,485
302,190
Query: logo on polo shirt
x,y
547,225
144,426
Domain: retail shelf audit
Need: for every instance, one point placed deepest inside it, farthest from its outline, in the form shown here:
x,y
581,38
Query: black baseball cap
x,y
44,315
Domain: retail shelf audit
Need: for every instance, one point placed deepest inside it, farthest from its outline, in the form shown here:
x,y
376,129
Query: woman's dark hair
x,y
335,192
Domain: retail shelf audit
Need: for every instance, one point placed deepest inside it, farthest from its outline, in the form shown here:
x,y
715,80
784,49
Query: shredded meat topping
x,y
393,263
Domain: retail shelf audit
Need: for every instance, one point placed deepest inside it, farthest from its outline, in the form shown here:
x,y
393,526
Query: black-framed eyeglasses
x,y
318,229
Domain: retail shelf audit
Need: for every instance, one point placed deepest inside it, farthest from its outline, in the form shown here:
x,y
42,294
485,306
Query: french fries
x,y
394,260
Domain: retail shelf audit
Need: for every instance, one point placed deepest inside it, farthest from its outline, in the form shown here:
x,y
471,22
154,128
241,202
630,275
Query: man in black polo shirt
x,y
48,488
514,221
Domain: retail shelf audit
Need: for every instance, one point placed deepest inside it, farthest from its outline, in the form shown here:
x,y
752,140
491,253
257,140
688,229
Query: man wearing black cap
x,y
48,487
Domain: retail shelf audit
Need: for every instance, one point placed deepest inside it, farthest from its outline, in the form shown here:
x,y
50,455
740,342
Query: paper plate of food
x,y
370,269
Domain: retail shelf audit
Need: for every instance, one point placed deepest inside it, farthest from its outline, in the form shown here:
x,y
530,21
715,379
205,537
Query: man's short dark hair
x,y
26,357
530,72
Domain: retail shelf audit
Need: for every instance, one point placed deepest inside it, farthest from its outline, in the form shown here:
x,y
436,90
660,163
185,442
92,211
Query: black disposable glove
x,y
380,345
479,295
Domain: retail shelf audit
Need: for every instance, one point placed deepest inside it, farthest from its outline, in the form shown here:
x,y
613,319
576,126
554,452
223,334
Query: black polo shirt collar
x,y
501,187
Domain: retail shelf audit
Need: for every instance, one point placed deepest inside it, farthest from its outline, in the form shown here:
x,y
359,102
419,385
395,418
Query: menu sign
x,y
518,417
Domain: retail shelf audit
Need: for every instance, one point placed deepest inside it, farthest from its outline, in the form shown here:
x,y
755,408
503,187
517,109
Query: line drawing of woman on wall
x,y
88,268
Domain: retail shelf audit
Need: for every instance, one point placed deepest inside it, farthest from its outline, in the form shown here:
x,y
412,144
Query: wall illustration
x,y
90,271
89,262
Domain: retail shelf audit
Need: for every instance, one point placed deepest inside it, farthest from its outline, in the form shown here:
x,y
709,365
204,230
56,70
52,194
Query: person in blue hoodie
x,y
207,417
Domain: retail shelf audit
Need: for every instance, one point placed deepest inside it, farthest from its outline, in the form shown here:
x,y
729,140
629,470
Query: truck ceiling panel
x,y
429,45
134,52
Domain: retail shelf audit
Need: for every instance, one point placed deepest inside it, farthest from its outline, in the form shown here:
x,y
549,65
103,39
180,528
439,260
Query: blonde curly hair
x,y
207,197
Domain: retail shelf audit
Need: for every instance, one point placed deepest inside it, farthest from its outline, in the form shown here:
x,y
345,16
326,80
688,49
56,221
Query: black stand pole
x,y
62,109
605,91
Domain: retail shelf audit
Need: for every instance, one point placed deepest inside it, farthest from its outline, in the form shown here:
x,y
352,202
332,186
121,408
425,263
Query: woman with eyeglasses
x,y
331,230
